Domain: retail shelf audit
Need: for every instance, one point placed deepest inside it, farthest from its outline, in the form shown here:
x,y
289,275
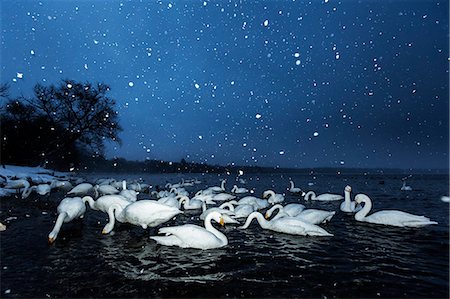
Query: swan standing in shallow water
x,y
294,189
323,197
287,225
145,213
193,236
389,217
348,205
68,209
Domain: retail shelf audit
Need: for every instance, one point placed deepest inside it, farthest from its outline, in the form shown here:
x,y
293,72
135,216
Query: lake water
x,y
360,260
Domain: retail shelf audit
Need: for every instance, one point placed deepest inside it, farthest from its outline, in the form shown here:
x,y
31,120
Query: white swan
x,y
41,189
315,216
171,201
193,236
294,189
145,213
68,209
17,184
242,210
129,194
238,190
190,204
445,198
227,214
348,205
256,202
292,210
104,202
405,187
389,217
287,225
105,190
323,197
223,197
273,197
81,189
218,189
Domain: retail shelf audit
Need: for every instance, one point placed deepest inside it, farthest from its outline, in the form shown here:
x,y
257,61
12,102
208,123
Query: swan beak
x,y
104,232
51,240
266,216
222,222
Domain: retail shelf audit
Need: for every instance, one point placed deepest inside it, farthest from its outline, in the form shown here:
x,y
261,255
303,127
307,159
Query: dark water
x,y
361,260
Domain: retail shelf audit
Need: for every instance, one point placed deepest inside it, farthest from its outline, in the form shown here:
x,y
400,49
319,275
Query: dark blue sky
x,y
288,83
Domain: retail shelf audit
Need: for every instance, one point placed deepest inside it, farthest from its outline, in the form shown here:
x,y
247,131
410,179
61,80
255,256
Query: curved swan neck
x,y
366,209
272,209
310,195
227,205
292,184
222,185
259,217
27,191
209,227
90,201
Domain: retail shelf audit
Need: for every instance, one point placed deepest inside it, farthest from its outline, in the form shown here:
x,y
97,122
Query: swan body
x,y
257,203
287,225
218,189
294,189
223,197
242,210
389,217
131,195
315,216
445,198
292,210
105,190
190,204
238,190
322,197
81,189
144,213
62,184
17,184
41,189
349,206
273,197
193,236
104,202
170,201
68,209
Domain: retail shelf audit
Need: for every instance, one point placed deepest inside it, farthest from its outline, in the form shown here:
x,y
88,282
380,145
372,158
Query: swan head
x,y
51,238
348,188
221,221
361,198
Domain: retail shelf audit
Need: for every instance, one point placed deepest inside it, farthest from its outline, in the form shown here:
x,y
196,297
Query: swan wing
x,y
329,197
296,226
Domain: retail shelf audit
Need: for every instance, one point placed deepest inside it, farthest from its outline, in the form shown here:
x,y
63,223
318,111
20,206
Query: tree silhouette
x,y
58,124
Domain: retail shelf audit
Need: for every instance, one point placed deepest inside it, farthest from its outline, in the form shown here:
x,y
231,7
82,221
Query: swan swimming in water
x,y
145,213
194,236
287,225
68,209
405,187
81,189
227,214
348,205
242,210
298,211
292,210
389,217
294,189
322,197
238,190
273,197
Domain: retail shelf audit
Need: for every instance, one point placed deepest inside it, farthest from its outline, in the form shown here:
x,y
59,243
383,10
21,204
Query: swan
x,y
389,217
227,214
68,209
257,203
292,210
194,236
323,197
273,197
145,213
129,194
315,216
405,187
171,201
17,184
104,202
242,210
62,184
287,225
218,189
41,189
223,197
294,189
445,198
348,205
190,204
81,189
208,197
238,190
105,190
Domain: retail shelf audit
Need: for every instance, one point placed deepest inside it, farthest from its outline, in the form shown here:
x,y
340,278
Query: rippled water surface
x,y
360,260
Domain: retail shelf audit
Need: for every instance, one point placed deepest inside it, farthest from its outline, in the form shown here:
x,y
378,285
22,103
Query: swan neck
x,y
90,201
209,227
292,184
310,195
227,205
59,223
272,209
365,210
259,217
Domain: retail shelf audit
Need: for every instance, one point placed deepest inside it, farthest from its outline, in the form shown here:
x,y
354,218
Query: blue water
x,y
360,260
